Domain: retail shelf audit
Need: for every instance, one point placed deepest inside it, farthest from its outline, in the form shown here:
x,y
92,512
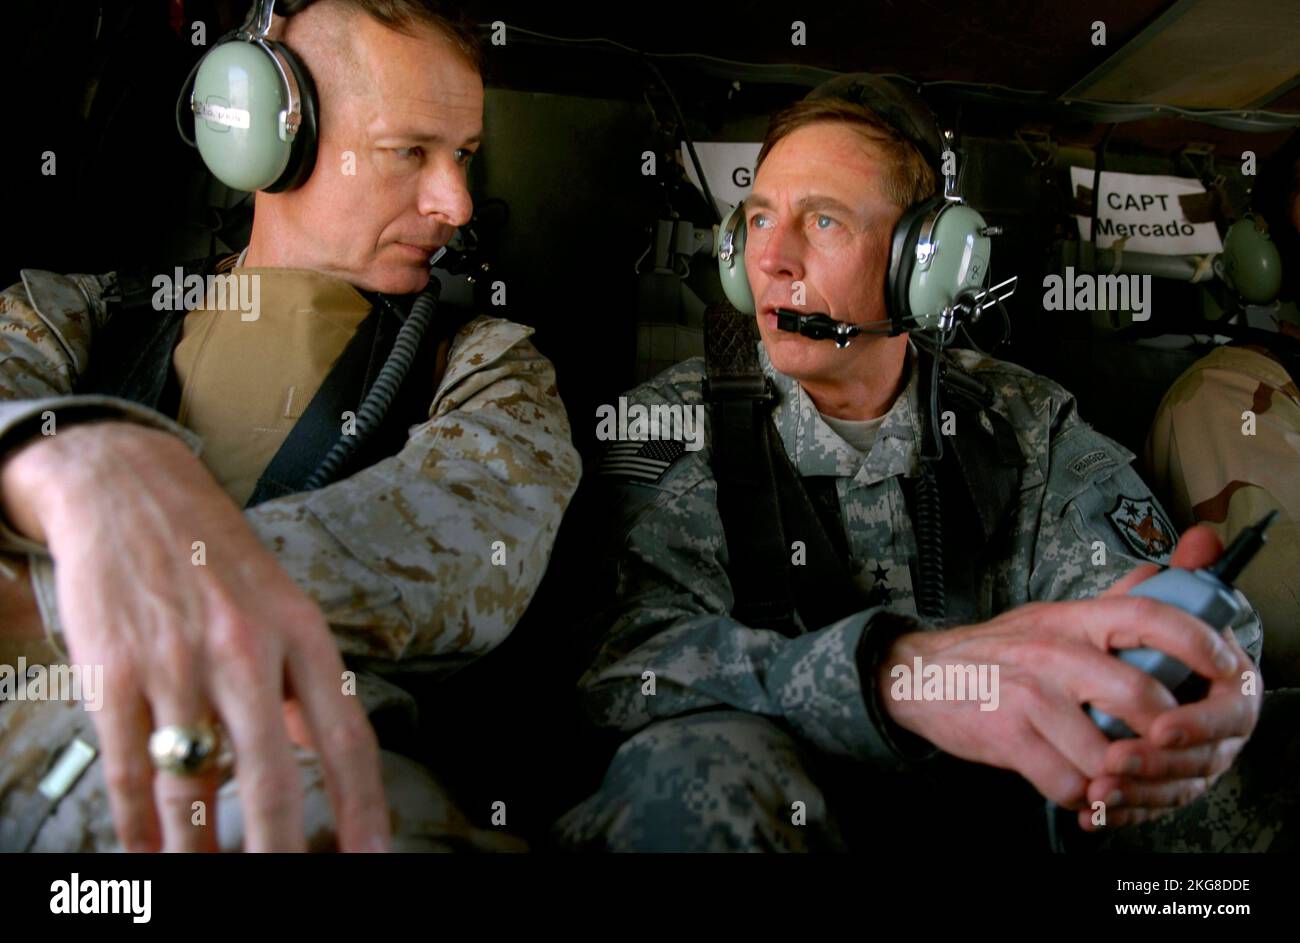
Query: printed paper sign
x,y
729,167
1161,215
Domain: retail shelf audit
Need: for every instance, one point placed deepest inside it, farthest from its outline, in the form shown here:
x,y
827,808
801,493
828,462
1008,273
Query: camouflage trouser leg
x,y
715,781
1255,806
36,735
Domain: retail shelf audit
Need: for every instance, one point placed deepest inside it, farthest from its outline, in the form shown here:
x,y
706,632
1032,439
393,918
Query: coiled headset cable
x,y
380,396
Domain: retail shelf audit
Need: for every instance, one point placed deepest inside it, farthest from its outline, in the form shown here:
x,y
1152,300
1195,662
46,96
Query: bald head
x,y
401,113
338,42
322,38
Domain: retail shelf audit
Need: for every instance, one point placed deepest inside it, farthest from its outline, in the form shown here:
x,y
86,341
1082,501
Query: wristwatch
x,y
878,635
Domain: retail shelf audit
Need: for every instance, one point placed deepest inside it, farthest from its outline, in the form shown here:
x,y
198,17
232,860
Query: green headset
x,y
1250,264
254,105
939,253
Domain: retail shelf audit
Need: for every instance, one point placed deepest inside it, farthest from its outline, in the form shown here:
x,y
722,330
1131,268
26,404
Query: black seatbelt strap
x,y
824,590
346,385
321,423
133,353
761,497
979,478
821,492
133,359
740,402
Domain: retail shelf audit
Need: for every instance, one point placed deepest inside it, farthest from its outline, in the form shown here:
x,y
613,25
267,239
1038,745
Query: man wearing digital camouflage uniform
x,y
749,726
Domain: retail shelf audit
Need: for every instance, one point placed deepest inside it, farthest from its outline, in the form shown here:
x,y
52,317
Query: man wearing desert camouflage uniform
x,y
424,560
795,737
1225,442
1220,476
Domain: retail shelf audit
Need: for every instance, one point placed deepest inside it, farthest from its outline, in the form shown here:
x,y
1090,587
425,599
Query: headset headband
x,y
291,7
896,104
258,22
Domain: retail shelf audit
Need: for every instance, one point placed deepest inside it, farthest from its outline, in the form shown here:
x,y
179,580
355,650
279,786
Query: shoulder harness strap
x,y
132,355
761,498
765,505
346,386
132,359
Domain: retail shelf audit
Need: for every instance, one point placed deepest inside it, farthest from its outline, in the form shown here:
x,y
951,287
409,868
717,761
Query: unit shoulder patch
x,y
1143,527
1084,464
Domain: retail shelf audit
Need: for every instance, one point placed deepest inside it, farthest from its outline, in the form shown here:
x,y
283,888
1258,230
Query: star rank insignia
x,y
881,592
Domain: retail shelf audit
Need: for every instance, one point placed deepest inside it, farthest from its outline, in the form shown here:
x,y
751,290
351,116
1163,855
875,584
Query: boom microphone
x,y
819,326
968,306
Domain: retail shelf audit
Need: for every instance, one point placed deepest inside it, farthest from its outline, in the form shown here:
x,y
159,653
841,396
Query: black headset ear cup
x,y
902,259
302,159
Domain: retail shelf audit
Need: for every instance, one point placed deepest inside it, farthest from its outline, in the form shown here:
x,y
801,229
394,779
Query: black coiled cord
x,y
380,395
931,599
932,602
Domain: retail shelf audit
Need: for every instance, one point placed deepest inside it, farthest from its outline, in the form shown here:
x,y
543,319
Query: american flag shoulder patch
x,y
641,461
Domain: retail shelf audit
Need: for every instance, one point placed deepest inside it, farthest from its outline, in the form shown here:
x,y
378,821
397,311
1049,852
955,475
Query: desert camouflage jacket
x,y
402,557
1225,444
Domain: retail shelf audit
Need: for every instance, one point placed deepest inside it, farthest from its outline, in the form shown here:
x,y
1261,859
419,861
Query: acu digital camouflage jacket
x,y
668,644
